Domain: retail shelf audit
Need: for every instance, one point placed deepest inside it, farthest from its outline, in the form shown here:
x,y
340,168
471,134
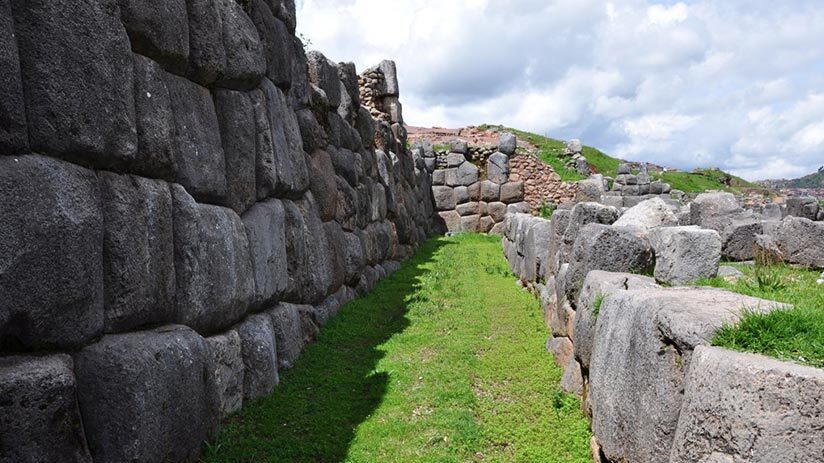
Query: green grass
x,y
701,180
796,334
546,210
443,362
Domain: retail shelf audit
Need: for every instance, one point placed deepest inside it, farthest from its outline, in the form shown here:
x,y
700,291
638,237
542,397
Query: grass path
x,y
443,362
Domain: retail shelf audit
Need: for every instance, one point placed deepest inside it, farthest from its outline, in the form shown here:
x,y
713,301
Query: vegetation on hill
x,y
796,334
815,180
442,361
551,152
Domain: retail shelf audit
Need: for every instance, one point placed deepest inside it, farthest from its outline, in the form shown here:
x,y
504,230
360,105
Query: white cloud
x,y
729,83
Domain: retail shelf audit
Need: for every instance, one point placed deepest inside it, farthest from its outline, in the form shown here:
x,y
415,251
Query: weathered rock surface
x,y
747,407
648,214
497,168
801,241
39,414
651,334
260,361
138,252
157,147
51,250
215,283
147,396
159,30
507,143
265,230
227,369
684,255
14,137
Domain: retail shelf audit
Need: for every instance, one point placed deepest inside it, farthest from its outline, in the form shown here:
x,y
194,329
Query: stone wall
x,y
634,344
541,184
186,197
468,198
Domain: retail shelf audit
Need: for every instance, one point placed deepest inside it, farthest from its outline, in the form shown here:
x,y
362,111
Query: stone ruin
x,y
187,197
635,344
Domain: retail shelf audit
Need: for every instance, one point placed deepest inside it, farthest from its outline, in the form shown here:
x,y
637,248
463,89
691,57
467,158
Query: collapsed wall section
x,y
186,196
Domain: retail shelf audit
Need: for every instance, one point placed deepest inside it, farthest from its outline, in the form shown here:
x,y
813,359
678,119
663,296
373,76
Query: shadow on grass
x,y
314,413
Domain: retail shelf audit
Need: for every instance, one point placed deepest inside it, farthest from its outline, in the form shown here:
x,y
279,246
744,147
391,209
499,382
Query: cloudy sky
x,y
735,84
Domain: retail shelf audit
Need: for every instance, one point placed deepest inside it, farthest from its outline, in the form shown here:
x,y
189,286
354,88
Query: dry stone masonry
x,y
186,196
635,345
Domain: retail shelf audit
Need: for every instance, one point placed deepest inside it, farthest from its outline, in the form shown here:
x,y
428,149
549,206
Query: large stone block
x,y
489,191
512,192
14,136
450,221
390,75
158,29
309,257
745,407
285,11
323,72
278,44
39,416
558,226
51,253
610,248
147,396
347,164
648,214
444,197
738,239
323,184
201,166
260,361
496,210
215,283
507,143
156,145
581,215
684,255
714,210
591,189
801,241
227,369
266,231
281,162
597,286
138,252
289,332
803,207
77,67
644,341
238,132
497,168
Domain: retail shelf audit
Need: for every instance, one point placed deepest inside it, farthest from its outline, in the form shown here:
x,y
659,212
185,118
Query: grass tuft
x,y
795,334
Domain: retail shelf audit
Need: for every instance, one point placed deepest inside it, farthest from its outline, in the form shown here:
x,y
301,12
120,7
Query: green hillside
x,y
815,180
551,152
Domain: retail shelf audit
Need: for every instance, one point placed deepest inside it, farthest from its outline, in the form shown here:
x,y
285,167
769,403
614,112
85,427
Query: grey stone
x,y
353,256
14,136
631,190
685,254
147,396
610,248
285,11
750,408
311,267
439,177
459,146
51,253
349,78
650,334
39,413
519,208
573,380
623,169
474,191
207,56
772,212
461,194
237,120
154,118
739,239
281,162
201,165
324,73
729,273
244,51
579,216
79,87
312,134
471,208
648,214
590,190
279,49
451,221
486,224
289,334
215,283
265,230
540,235
597,286
512,192
138,252
329,307
346,164
390,75
465,175
800,241
507,143
804,207
336,267
159,30
497,168
490,191
471,223
455,159
444,197
714,210
561,349
323,184
497,211
260,362
558,225
227,369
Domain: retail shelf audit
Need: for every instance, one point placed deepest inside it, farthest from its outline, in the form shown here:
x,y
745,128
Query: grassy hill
x,y
815,180
551,152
